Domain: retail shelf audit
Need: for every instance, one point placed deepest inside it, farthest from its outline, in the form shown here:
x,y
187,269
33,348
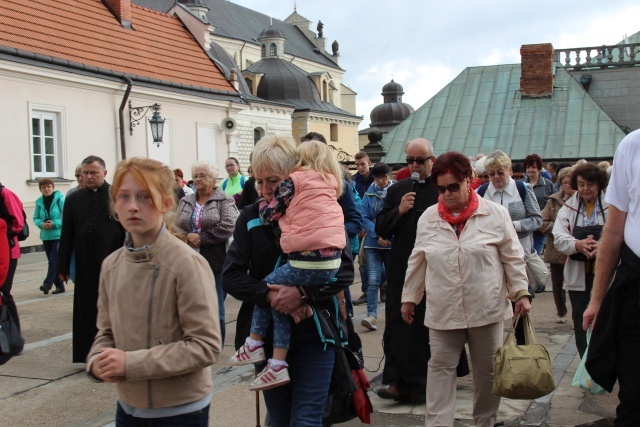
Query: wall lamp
x,y
157,123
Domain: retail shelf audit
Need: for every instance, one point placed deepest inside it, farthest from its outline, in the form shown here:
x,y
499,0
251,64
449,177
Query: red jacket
x,y
5,255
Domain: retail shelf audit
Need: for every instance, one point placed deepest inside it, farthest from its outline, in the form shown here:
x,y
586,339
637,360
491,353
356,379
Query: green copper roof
x,y
481,110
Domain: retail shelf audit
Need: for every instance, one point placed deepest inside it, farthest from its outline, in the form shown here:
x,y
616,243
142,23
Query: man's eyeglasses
x,y
518,177
453,188
499,173
419,160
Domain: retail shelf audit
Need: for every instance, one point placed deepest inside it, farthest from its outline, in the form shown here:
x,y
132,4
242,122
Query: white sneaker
x,y
561,319
270,378
370,323
244,356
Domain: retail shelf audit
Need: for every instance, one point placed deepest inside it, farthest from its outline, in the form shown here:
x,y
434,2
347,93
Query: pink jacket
x,y
314,218
14,206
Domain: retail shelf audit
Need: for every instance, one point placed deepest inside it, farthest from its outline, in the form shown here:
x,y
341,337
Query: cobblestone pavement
x,y
42,388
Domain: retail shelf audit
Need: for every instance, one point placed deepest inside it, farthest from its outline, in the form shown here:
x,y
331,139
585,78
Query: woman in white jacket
x,y
585,208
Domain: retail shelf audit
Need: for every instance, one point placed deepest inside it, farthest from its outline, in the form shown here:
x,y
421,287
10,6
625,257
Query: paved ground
x,y
42,388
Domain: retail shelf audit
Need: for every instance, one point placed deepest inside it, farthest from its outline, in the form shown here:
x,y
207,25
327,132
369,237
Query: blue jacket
x,y
351,210
55,215
371,206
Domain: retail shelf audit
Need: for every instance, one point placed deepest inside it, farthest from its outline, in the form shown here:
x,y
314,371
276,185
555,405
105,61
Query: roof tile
x,y
85,32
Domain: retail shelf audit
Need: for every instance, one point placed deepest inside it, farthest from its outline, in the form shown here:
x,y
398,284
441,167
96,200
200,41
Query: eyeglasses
x,y
78,175
230,165
518,177
453,188
419,160
381,178
201,176
499,173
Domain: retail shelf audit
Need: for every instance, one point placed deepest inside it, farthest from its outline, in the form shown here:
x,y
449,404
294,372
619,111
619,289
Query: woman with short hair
x,y
47,216
468,261
586,208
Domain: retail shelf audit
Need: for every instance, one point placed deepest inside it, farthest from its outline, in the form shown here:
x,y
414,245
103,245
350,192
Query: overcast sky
x,y
424,44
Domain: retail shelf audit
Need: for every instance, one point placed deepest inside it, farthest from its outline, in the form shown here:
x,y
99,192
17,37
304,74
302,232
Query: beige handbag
x,y
522,371
537,271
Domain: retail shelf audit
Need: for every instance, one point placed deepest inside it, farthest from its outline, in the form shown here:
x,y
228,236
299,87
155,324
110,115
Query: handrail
x,y
613,56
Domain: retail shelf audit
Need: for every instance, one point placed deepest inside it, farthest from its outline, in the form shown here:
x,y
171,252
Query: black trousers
x,y
559,294
628,346
6,291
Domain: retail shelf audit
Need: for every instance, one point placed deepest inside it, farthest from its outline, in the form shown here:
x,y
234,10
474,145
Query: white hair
x,y
211,170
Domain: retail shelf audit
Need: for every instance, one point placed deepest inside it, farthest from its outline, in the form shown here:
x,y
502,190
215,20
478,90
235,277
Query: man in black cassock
x,y
406,347
89,228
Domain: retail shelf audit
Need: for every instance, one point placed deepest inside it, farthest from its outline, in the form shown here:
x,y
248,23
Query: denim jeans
x,y
377,264
195,419
290,276
538,241
221,296
51,249
301,402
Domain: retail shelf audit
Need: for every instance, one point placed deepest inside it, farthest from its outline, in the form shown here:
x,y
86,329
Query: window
x,y
272,49
264,51
44,144
333,131
325,92
249,83
257,135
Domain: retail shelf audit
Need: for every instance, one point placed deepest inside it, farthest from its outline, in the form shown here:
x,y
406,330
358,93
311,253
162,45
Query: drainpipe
x,y
240,64
123,148
227,134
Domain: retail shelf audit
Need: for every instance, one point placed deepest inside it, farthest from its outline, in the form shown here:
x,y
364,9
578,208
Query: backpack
x,y
8,218
242,181
522,189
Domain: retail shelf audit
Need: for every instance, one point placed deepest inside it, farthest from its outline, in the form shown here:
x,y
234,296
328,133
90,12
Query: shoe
x,y
392,392
44,289
370,323
561,319
245,356
270,378
58,291
383,292
360,301
540,289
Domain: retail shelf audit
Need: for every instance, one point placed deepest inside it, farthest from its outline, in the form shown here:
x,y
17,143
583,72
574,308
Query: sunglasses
x,y
453,188
418,160
518,177
499,173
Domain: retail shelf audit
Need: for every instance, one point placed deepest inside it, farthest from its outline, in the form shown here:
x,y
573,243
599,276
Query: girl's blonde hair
x,y
317,156
156,178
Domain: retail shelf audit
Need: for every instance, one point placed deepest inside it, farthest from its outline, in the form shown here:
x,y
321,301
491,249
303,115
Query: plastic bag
x,y
582,378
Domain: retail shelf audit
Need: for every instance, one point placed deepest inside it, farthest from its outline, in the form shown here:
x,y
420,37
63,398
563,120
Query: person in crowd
x,y
5,252
615,343
403,173
377,249
78,175
350,203
394,172
158,329
47,216
11,211
585,208
518,172
542,187
518,198
253,255
206,220
178,190
604,165
235,181
557,186
249,191
552,256
92,233
406,347
468,304
181,183
362,178
305,206
552,168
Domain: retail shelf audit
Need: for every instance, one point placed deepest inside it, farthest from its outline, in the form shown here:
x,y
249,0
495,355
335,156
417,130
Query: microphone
x,y
415,177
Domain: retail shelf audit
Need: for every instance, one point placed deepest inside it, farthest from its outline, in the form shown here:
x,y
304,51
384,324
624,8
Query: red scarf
x,y
459,221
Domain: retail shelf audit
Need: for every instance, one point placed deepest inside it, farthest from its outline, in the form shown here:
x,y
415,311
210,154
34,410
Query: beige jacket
x,y
549,214
468,281
159,306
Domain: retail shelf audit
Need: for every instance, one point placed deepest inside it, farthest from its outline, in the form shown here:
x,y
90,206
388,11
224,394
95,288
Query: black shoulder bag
x,y
580,233
11,342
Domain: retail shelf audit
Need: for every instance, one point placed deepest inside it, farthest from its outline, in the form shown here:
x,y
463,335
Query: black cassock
x,y
90,229
406,347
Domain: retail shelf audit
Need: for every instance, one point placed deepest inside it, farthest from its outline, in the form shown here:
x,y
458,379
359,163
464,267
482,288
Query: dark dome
x,y
285,82
271,32
392,87
390,114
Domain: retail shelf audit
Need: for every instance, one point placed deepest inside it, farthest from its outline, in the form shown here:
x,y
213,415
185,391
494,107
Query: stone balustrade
x,y
620,55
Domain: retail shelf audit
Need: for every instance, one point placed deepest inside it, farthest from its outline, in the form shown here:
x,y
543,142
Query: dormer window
x,y
264,51
272,50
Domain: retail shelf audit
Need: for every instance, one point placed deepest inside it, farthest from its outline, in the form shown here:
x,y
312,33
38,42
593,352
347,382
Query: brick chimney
x,y
536,78
121,9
